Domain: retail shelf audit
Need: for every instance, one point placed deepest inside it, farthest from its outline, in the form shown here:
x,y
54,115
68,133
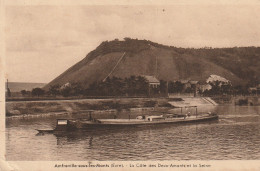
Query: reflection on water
x,y
234,136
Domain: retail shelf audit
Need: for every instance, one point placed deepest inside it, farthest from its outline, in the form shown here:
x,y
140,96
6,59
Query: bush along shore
x,y
40,108
247,101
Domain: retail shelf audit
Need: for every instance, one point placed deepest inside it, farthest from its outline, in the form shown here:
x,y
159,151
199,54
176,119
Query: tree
x,y
239,89
76,89
189,90
54,90
127,39
23,92
91,90
175,87
178,86
117,86
226,88
130,85
37,92
66,91
141,86
216,87
163,87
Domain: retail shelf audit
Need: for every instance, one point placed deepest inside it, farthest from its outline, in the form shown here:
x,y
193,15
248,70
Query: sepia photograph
x,y
114,84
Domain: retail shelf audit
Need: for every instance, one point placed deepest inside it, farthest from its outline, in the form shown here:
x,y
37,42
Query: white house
x,y
153,82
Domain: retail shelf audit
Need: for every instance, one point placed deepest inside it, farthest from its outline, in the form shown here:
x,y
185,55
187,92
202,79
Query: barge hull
x,y
133,123
73,125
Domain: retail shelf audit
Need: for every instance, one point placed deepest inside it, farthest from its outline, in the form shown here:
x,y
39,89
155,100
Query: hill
x,y
19,86
129,57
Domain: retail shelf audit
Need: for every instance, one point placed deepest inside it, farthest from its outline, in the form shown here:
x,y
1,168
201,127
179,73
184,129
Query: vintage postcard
x,y
119,85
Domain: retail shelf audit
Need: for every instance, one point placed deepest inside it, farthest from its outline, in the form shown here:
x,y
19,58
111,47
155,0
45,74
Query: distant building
x,y
184,81
65,85
186,84
214,78
252,89
193,84
153,82
189,84
255,89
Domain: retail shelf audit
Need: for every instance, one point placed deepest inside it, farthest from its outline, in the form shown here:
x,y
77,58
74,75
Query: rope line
x,y
114,67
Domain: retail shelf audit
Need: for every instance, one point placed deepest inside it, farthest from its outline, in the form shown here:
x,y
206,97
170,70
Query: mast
x,y
156,68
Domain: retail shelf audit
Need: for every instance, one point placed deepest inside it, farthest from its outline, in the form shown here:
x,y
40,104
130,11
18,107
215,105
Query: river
x,y
236,136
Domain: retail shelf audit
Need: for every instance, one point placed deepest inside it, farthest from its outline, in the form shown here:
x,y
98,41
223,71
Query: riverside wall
x,y
57,107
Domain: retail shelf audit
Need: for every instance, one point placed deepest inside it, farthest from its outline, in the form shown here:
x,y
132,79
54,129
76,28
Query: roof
x,y
213,78
184,81
151,79
252,88
194,82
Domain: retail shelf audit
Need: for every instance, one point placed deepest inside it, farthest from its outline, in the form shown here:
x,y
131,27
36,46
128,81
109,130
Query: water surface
x,y
235,136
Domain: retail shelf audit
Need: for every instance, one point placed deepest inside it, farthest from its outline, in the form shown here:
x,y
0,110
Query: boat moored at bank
x,y
168,118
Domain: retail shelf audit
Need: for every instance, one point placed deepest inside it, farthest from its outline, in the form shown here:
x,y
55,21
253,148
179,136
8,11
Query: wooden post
x,y
195,90
167,90
149,90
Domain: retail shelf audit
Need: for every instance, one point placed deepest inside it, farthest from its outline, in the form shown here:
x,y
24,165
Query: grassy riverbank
x,y
73,106
83,105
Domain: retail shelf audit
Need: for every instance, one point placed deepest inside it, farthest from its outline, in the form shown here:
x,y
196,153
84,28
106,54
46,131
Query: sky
x,y
42,41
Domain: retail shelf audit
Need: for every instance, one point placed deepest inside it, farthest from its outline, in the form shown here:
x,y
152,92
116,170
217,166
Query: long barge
x,y
74,124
